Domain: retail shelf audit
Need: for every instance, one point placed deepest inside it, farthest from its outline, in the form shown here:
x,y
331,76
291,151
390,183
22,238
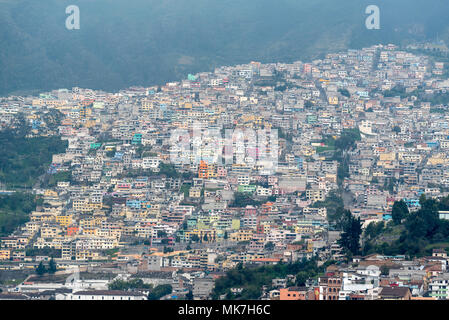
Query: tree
x,y
397,129
373,229
384,270
308,104
350,238
399,211
161,234
301,278
347,139
269,246
242,199
132,284
52,268
189,295
167,249
344,92
40,270
160,291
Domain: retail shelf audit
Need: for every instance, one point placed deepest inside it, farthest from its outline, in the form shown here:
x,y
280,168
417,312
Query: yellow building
x,y
435,160
5,254
50,194
64,220
146,105
241,235
86,255
50,231
90,231
333,100
235,225
195,192
390,156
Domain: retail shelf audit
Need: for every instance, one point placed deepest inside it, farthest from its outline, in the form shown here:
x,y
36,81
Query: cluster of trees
x,y
345,142
128,285
135,284
185,188
439,98
145,151
42,269
167,170
59,176
347,139
251,279
24,159
170,171
50,252
397,91
419,232
243,199
373,230
420,229
15,210
160,291
196,238
269,246
344,92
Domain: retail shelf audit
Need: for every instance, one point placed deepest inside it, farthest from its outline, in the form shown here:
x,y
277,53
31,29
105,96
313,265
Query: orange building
x,y
293,293
72,230
203,171
267,207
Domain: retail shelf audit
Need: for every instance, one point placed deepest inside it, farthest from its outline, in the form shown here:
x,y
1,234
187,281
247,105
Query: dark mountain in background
x,y
146,42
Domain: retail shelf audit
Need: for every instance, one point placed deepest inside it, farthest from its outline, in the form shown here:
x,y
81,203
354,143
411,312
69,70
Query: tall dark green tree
x,y
40,270
189,295
52,266
399,211
350,238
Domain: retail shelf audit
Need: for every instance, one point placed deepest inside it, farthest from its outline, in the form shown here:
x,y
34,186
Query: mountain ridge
x,y
155,41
